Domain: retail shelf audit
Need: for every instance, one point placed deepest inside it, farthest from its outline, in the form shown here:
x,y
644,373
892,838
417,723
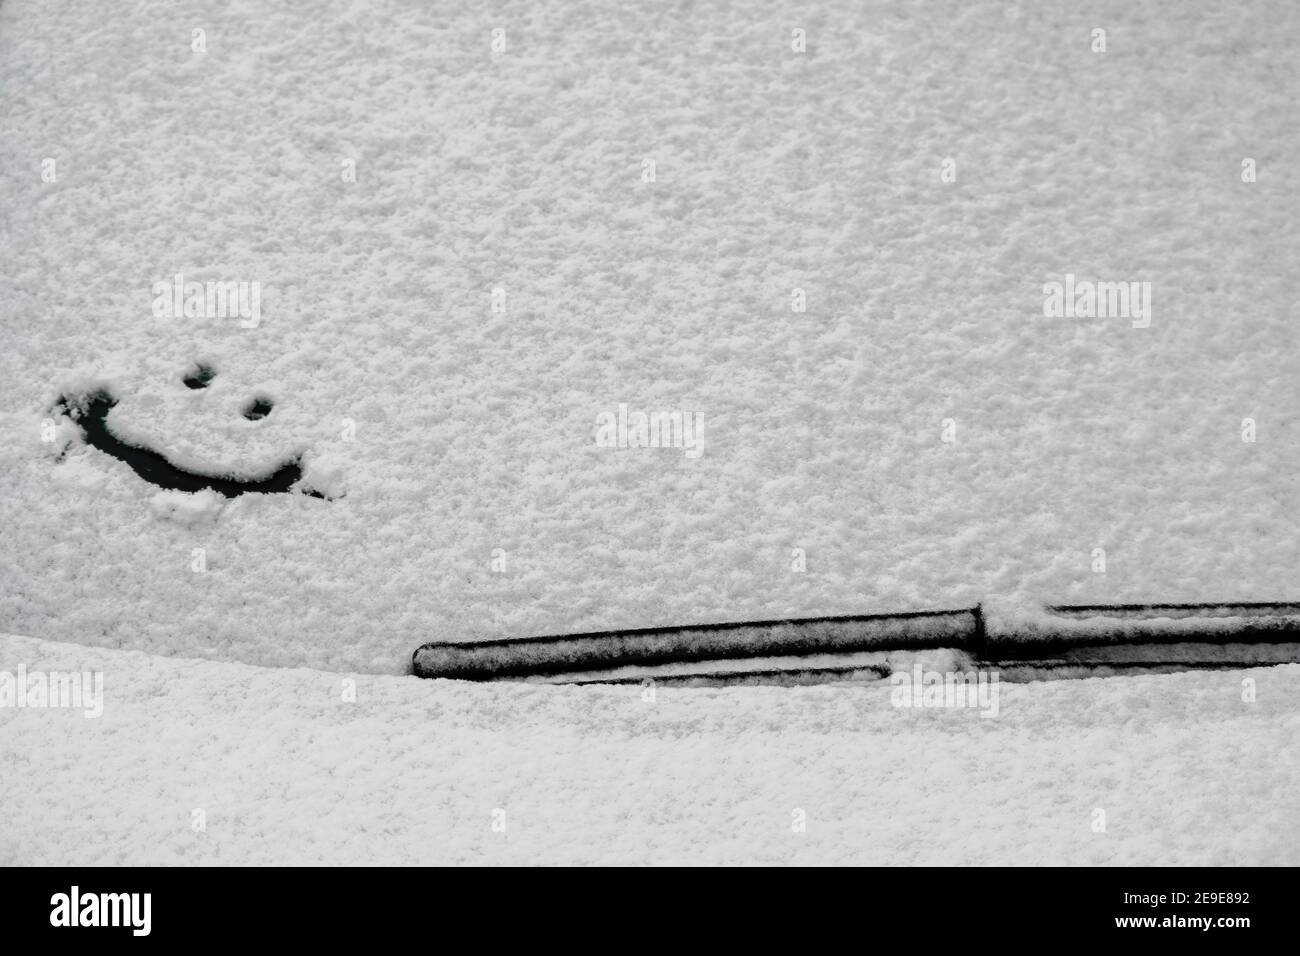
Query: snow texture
x,y
472,430
441,332
286,771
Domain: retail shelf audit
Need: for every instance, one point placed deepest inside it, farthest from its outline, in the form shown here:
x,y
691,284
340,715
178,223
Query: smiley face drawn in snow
x,y
90,413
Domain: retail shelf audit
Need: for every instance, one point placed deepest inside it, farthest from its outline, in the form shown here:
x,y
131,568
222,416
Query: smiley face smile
x,y
90,413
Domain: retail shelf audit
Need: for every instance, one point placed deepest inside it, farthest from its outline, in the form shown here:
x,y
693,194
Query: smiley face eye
x,y
258,408
199,376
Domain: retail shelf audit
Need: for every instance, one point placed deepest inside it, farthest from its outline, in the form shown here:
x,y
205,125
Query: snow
x,y
442,333
286,771
186,507
473,430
